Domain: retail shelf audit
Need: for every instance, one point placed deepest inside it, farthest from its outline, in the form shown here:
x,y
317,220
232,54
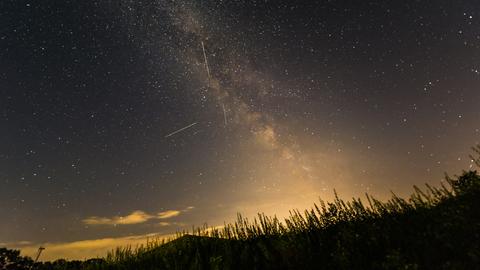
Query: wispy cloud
x,y
163,223
136,217
168,214
83,249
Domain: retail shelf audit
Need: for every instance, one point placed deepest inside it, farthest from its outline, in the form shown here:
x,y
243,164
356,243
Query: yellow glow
x,y
85,249
168,214
134,218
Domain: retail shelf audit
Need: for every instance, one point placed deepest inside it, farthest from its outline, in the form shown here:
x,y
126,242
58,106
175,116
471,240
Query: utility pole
x,y
40,249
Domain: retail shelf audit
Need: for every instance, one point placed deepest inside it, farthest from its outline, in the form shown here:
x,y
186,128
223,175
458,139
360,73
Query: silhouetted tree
x,y
11,260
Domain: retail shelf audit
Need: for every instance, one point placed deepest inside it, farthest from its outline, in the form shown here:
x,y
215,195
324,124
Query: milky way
x,y
123,120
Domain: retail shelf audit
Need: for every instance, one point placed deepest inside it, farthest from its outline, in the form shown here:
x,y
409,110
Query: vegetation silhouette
x,y
435,228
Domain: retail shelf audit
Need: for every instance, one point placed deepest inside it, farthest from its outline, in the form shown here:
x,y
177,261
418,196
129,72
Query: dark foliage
x,y
11,259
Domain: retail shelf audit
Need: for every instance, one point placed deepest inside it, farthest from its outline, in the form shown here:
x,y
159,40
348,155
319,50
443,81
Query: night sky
x,y
116,123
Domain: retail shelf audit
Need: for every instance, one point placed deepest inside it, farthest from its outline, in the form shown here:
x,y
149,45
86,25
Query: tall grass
x,y
334,233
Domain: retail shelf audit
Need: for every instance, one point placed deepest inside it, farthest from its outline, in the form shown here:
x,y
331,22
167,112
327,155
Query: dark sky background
x,y
301,98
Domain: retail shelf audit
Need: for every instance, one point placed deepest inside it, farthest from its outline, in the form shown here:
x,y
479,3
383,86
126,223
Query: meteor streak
x,y
180,130
224,114
206,62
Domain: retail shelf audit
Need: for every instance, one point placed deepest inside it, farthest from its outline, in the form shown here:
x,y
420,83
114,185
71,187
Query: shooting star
x,y
180,130
206,62
224,114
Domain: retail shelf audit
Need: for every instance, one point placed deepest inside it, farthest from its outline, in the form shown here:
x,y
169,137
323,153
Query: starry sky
x,y
122,120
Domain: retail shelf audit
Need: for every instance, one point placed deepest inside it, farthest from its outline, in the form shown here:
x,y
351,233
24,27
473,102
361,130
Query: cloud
x,y
84,249
168,214
162,223
136,217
